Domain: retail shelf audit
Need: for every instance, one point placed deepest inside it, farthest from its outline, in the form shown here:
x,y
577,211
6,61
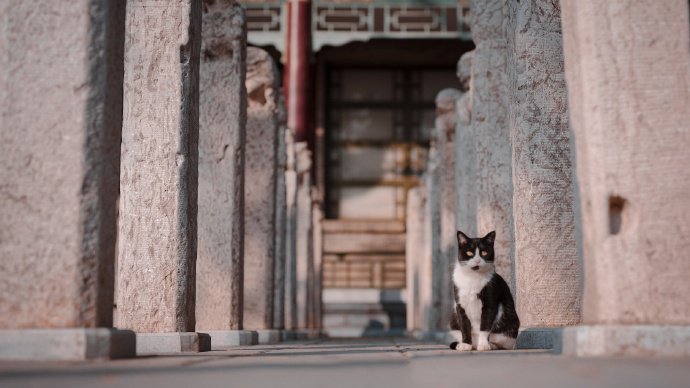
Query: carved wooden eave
x,y
335,24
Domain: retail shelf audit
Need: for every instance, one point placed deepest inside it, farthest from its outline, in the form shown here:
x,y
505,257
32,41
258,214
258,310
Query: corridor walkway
x,y
352,363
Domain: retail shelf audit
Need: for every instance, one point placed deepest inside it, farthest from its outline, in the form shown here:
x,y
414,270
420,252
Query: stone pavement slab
x,y
352,363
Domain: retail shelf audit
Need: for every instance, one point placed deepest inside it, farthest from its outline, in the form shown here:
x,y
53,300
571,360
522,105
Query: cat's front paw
x,y
483,346
463,347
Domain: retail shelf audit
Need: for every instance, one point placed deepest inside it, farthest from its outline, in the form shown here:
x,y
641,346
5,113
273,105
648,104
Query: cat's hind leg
x,y
501,341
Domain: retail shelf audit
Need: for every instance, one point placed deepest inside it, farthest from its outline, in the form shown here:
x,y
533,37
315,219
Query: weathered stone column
x,y
222,120
61,107
465,152
547,271
158,218
415,252
490,101
304,259
446,117
317,244
260,193
627,65
291,232
280,224
436,319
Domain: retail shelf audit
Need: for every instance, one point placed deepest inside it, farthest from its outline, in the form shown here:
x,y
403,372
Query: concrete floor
x,y
352,363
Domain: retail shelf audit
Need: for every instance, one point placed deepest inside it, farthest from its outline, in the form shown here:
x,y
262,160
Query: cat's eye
x,y
469,253
484,253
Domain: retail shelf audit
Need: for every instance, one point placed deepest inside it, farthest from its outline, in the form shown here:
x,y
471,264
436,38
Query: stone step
x,y
364,308
331,320
359,257
352,332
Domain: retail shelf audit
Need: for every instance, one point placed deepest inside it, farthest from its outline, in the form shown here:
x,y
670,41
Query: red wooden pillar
x,y
298,82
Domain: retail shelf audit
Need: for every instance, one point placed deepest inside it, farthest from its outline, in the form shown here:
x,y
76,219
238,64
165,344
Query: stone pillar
x,y
61,109
547,271
627,65
158,221
436,319
490,101
280,225
304,259
317,243
415,244
260,193
465,153
446,117
222,120
290,232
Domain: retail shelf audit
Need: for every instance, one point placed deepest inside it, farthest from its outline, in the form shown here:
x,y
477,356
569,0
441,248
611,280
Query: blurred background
x,y
376,69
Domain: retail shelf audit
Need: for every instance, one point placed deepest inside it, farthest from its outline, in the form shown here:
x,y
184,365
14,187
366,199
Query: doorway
x,y
377,110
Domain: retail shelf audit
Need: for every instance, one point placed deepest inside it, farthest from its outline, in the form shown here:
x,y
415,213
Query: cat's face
x,y
476,254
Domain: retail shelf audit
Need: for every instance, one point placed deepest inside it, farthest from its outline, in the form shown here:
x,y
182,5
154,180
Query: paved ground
x,y
352,363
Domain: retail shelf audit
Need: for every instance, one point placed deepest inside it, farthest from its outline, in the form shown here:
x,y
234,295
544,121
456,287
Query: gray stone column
x,y
547,271
446,117
291,232
436,319
627,65
415,252
304,259
465,152
222,120
61,107
317,243
260,193
490,101
280,225
158,207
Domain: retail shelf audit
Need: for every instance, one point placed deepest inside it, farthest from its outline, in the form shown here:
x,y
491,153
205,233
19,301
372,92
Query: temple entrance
x,y
374,70
378,118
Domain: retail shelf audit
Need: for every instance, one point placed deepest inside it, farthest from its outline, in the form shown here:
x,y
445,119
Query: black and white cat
x,y
484,316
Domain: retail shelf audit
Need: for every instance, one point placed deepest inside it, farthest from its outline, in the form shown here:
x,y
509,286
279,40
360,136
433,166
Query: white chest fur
x,y
469,283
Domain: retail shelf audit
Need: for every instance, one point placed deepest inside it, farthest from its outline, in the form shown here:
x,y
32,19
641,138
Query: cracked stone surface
x,y
490,102
60,89
263,123
222,120
547,270
158,182
629,93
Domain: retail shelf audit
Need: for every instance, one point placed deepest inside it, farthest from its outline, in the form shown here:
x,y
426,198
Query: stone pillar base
x,y
222,339
148,343
288,335
627,340
268,336
300,334
540,338
66,344
306,334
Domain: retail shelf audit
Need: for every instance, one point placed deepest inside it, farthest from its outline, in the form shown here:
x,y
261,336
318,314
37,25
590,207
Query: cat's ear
x,y
490,237
462,238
